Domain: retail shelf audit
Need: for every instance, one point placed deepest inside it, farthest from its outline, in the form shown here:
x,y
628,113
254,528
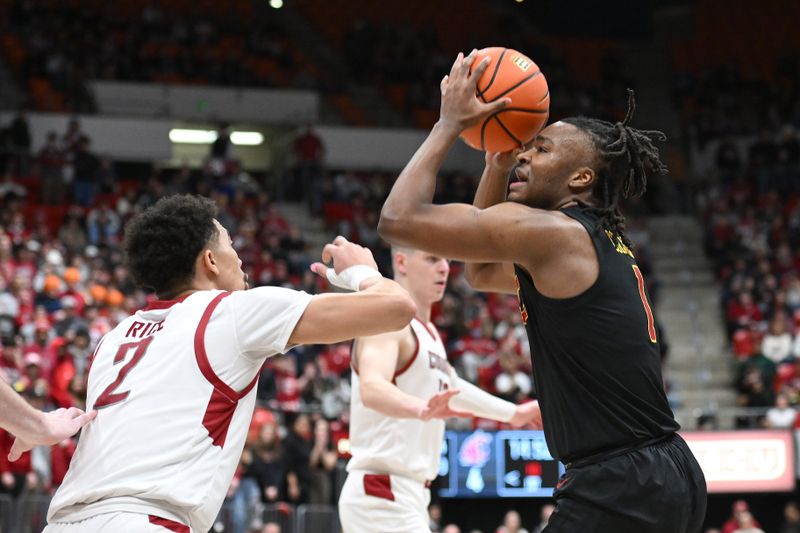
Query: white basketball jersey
x,y
403,446
174,386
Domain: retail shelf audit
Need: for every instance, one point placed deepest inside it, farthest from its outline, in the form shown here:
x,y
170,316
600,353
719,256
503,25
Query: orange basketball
x,y
513,75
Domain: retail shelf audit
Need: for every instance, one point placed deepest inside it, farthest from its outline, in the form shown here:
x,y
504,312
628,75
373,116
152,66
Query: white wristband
x,y
351,277
479,402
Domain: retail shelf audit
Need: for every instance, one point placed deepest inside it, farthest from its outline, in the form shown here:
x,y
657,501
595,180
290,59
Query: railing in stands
x,y
6,514
31,513
317,519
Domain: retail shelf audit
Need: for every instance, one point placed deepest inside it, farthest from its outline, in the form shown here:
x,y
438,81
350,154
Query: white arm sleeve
x,y
265,317
479,402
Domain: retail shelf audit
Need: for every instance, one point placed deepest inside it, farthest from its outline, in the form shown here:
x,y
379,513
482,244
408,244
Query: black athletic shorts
x,y
658,488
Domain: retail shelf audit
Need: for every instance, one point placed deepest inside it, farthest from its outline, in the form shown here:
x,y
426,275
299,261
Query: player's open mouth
x,y
517,179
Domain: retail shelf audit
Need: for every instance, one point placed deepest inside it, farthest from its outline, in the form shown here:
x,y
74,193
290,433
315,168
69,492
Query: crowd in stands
x,y
724,101
742,520
753,233
512,522
56,48
409,63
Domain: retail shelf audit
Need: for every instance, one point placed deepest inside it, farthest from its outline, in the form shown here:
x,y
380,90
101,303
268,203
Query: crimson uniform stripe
x,y
405,367
378,485
651,325
172,525
223,401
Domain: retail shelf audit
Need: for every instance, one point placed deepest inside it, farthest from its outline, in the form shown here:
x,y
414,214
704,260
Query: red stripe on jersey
x,y
224,399
378,485
172,525
410,362
164,304
218,416
428,329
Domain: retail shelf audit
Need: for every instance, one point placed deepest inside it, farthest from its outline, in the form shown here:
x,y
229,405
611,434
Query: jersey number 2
x,y
651,325
108,396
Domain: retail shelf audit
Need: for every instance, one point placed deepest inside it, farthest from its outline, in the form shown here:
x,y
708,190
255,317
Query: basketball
x,y
509,74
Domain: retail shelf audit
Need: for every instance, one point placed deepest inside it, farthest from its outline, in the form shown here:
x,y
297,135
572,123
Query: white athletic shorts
x,y
383,503
119,523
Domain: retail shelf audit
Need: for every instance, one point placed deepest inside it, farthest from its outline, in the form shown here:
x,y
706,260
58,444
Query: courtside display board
x,y
509,464
482,464
745,461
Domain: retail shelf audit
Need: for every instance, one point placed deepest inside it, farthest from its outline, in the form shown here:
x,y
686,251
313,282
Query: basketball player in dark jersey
x,y
558,242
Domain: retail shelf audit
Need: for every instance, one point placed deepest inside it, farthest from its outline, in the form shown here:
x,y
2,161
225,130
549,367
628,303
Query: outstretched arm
x,y
478,402
33,427
380,304
377,359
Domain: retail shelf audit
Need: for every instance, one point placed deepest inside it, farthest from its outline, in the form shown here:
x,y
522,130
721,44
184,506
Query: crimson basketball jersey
x,y
403,446
174,386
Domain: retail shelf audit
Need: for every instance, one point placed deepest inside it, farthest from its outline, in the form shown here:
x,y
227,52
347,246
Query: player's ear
x,y
583,179
400,259
208,261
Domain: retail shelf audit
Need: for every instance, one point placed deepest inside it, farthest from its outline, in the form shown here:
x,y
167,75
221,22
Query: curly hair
x,y
162,242
627,156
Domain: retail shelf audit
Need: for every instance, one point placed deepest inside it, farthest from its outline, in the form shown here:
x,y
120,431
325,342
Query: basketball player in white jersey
x,y
403,389
174,384
32,427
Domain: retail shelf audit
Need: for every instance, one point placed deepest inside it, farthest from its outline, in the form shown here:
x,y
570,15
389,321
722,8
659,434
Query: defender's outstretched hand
x,y
461,107
438,406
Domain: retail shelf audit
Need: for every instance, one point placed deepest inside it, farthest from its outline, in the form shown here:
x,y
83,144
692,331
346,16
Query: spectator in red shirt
x,y
742,311
32,378
309,153
60,457
51,170
62,377
17,476
739,507
41,345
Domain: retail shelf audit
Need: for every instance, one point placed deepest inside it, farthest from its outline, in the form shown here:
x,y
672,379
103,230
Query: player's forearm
x,y
382,305
491,191
387,399
18,417
492,187
480,403
416,185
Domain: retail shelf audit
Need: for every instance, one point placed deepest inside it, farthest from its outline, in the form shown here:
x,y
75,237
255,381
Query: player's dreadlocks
x,y
627,156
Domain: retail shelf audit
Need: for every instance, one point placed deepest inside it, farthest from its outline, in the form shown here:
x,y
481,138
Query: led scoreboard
x,y
484,464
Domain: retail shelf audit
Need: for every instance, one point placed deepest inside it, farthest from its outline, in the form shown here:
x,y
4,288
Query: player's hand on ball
x,y
527,413
461,107
438,406
504,161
